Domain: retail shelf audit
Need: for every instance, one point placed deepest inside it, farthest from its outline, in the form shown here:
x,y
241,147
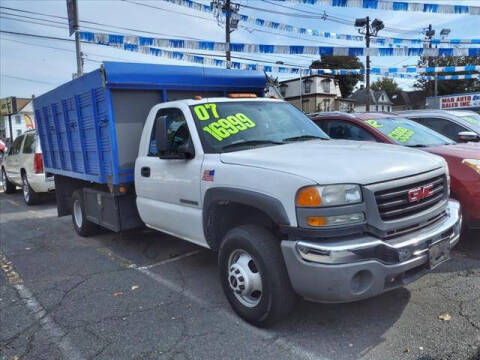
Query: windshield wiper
x,y
252,143
304,137
419,145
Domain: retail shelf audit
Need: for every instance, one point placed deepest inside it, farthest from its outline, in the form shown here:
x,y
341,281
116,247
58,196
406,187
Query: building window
x,y
376,107
382,106
307,86
326,105
326,86
18,120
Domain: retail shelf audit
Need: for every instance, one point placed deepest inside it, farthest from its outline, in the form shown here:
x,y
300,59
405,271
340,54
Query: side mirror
x,y
466,136
184,151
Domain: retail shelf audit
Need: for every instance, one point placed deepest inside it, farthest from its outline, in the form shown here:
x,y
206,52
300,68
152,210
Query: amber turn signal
x,y
309,197
238,96
316,221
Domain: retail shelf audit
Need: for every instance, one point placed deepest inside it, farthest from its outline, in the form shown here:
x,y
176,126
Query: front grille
x,y
394,203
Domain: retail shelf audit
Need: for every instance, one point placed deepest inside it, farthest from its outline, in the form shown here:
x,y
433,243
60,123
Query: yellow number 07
x,y
202,111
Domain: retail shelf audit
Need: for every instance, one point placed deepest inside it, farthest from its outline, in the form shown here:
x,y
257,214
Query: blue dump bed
x,y
90,127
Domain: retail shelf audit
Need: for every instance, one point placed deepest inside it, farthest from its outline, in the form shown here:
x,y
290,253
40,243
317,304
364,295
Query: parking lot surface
x,y
146,295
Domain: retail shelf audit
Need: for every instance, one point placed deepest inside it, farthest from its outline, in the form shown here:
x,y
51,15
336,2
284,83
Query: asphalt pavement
x,y
147,295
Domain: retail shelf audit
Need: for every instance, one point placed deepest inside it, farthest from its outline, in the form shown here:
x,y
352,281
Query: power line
x,y
97,23
25,79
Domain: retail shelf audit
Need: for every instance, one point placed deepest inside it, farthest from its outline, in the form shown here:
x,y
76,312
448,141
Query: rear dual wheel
x,y
82,226
254,277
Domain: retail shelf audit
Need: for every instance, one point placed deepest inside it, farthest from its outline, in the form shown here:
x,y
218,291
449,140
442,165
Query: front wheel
x,y
8,187
254,277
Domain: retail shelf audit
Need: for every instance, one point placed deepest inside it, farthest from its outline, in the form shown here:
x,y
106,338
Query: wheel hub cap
x,y
244,278
77,213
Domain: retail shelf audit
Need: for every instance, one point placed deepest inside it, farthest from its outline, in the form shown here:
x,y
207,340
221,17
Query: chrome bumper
x,y
360,267
394,251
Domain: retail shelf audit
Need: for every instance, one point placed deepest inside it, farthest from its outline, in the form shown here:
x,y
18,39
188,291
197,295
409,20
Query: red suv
x,y
463,159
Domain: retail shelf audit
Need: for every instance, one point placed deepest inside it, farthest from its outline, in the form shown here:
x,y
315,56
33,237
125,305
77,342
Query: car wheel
x,y
29,195
82,226
254,277
8,187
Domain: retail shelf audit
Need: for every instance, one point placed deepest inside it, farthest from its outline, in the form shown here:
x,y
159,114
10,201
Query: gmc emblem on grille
x,y
420,193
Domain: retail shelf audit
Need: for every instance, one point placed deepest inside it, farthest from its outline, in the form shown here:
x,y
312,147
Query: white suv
x,y
23,166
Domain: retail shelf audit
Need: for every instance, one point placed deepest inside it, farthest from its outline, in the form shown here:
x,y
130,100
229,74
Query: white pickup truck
x,y
289,211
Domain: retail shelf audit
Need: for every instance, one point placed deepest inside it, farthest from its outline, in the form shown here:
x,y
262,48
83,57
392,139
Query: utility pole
x,y
227,35
232,18
72,10
429,33
368,30
367,46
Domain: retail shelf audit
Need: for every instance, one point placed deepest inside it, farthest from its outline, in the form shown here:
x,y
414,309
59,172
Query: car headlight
x,y
472,163
329,195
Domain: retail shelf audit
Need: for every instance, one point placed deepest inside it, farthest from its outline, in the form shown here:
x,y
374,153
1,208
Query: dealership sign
x,y
8,106
460,101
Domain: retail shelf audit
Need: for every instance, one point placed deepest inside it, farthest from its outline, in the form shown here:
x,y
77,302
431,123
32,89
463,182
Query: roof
x,y
360,97
121,74
309,77
411,98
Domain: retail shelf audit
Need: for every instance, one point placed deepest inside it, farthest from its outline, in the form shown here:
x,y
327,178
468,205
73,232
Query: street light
x,y
445,32
369,30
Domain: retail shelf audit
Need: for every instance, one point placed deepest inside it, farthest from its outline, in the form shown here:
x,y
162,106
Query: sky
x,y
31,66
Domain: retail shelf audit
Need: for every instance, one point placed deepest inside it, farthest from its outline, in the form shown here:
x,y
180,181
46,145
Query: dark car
x,y
457,125
463,159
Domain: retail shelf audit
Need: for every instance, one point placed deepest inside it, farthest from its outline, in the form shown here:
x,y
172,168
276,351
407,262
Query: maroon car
x,y
463,159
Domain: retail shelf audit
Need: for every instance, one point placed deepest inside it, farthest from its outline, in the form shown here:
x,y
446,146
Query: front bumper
x,y
363,266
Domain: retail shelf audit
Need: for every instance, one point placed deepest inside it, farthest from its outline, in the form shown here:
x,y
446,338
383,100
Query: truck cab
x,y
290,212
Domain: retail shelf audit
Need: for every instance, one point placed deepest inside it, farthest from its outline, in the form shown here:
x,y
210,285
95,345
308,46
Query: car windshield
x,y
473,121
407,132
239,125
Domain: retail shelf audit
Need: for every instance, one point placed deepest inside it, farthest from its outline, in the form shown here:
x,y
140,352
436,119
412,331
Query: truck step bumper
x,y
358,268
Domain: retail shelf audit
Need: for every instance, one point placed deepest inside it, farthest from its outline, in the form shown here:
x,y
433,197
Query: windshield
x,y
407,132
473,120
237,125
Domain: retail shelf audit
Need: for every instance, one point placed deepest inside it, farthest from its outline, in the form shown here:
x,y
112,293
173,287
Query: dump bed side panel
x,y
74,127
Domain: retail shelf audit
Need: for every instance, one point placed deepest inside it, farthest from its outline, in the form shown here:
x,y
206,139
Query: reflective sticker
x,y
229,125
401,134
373,123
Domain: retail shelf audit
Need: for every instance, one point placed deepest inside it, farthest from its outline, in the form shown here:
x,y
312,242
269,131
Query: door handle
x,y
145,171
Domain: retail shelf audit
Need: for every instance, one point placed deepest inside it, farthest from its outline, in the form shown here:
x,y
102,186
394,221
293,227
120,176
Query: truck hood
x,y
457,151
338,161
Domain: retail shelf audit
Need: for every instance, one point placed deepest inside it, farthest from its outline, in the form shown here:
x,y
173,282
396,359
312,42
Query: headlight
x,y
472,163
329,195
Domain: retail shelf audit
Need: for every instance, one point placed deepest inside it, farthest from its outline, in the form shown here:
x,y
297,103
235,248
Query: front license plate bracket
x,y
439,253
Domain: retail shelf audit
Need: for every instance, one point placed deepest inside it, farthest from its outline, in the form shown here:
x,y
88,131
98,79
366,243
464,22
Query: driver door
x,y
168,190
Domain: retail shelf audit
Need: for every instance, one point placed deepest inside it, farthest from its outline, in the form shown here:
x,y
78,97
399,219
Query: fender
x,y
268,204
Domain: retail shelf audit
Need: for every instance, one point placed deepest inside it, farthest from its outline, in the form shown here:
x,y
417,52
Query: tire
x,y
82,226
276,299
29,195
8,187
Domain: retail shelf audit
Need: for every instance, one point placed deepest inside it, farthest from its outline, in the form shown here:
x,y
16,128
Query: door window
x,y
445,127
29,145
17,144
177,131
338,129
